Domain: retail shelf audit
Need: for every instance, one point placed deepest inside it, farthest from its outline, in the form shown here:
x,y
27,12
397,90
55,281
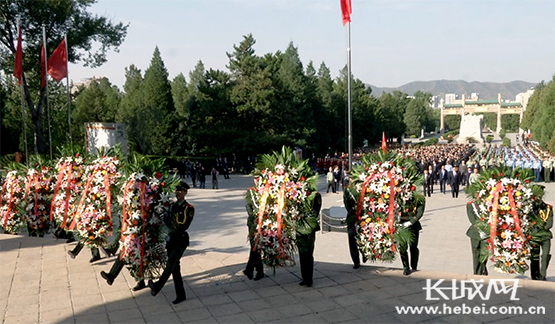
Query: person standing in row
x,y
463,169
330,178
478,240
443,177
428,181
214,174
306,236
411,220
178,221
454,182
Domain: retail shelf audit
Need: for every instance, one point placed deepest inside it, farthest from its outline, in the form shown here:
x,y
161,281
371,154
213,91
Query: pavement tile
x,y
322,305
119,315
265,315
55,304
281,300
235,287
308,318
215,300
225,309
22,309
99,317
237,318
246,294
253,305
337,315
334,291
309,295
271,291
210,320
22,319
190,303
162,318
193,315
294,310
55,316
117,305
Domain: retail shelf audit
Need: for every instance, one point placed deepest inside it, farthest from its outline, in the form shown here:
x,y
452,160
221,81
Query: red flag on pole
x,y
18,68
43,64
346,10
384,143
57,63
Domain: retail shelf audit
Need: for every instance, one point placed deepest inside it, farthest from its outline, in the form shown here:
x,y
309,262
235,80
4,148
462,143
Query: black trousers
x,y
332,186
80,245
255,262
442,186
305,244
455,190
479,267
353,247
176,246
414,252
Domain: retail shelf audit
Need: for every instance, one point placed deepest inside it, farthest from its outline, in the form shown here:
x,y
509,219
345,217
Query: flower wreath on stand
x,y
282,186
383,187
505,201
145,200
68,189
93,219
11,195
36,200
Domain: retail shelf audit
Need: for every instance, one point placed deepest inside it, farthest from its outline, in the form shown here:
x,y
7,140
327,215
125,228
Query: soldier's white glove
x,y
406,224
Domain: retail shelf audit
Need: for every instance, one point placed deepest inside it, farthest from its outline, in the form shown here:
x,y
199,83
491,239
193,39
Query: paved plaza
x,y
39,283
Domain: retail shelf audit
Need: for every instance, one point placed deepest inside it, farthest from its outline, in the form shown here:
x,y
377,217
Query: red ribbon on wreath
x,y
68,195
108,198
58,184
7,218
143,216
362,194
78,213
515,213
2,192
36,191
493,221
124,221
28,181
281,202
391,218
261,209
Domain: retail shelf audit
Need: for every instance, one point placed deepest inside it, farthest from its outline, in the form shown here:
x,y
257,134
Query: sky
x,y
393,42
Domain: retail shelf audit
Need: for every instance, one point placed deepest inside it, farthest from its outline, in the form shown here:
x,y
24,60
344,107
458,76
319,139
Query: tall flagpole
x,y
68,94
45,67
23,115
350,136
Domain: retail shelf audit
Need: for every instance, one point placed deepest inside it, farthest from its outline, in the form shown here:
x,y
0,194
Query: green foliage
x,y
490,120
91,36
510,123
540,113
452,122
507,142
415,116
489,138
471,140
502,133
431,141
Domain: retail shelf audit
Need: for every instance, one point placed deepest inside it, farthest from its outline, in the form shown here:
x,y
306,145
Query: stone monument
x,y
471,126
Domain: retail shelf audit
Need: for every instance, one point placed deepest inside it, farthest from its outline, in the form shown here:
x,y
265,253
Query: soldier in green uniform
x,y
350,203
547,167
178,221
411,220
255,262
541,240
307,225
477,241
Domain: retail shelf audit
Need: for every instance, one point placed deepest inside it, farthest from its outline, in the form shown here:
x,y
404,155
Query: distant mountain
x,y
486,90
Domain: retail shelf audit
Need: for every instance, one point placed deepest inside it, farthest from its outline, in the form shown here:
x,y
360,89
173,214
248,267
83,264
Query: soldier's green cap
x,y
182,185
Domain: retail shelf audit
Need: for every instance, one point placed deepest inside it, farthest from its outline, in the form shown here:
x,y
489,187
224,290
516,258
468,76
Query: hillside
x,y
486,90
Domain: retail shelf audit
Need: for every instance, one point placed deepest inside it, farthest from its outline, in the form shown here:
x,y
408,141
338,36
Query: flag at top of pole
x,y
18,66
346,11
384,143
57,63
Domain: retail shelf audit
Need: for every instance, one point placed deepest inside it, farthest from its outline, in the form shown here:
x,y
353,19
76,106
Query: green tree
x,y
540,113
98,102
89,38
390,112
180,95
157,96
416,115
134,113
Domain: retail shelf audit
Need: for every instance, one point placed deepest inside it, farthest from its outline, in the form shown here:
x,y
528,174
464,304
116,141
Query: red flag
x,y
346,10
43,64
57,63
384,144
18,68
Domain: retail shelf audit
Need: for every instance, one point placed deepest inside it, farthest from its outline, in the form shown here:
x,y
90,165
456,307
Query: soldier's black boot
x,y
73,253
405,261
140,285
108,277
95,255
